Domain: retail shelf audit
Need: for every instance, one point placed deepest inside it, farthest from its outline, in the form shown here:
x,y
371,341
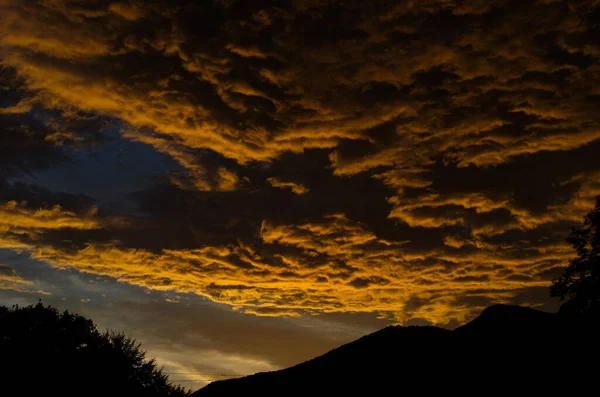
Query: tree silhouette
x,y
44,352
579,285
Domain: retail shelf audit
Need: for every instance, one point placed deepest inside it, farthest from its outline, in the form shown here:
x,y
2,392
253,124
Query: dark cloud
x,y
7,272
366,282
23,146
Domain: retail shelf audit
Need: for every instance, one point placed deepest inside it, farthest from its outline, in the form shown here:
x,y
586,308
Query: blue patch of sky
x,y
107,172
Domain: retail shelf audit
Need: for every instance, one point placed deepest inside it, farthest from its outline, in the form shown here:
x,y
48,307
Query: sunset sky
x,y
244,185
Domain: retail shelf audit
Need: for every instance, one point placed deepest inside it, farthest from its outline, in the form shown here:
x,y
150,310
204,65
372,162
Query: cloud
x,y
436,149
16,217
249,105
334,265
7,273
294,187
19,223
130,12
14,283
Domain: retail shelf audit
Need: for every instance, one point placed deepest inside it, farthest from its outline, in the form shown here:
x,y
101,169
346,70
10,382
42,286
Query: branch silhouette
x,y
579,285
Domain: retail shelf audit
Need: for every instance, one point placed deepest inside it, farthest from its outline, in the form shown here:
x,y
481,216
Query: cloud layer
x,y
418,159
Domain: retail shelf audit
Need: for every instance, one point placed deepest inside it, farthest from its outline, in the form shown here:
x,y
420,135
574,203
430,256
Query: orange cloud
x,y
16,217
131,12
340,267
293,186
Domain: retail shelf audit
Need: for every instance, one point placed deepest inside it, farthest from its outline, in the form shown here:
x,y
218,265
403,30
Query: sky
x,y
244,185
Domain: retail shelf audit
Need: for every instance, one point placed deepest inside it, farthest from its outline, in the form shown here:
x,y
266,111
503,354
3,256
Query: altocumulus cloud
x,y
436,149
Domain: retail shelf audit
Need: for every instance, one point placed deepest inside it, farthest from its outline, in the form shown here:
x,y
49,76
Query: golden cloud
x,y
306,111
15,217
293,186
358,272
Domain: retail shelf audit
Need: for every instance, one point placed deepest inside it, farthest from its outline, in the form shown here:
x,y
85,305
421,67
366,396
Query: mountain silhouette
x,y
507,349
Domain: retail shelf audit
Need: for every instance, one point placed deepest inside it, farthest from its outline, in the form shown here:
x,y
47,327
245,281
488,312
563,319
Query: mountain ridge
x,y
513,343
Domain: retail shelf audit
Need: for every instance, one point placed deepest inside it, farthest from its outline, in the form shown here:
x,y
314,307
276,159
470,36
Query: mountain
x,y
506,350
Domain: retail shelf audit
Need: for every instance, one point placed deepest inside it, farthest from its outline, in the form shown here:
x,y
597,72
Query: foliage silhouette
x,y
579,285
44,352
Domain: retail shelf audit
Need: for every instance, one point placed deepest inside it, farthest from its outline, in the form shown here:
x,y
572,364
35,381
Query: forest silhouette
x,y
506,348
45,352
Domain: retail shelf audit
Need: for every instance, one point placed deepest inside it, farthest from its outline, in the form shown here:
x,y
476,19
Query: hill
x,y
507,348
